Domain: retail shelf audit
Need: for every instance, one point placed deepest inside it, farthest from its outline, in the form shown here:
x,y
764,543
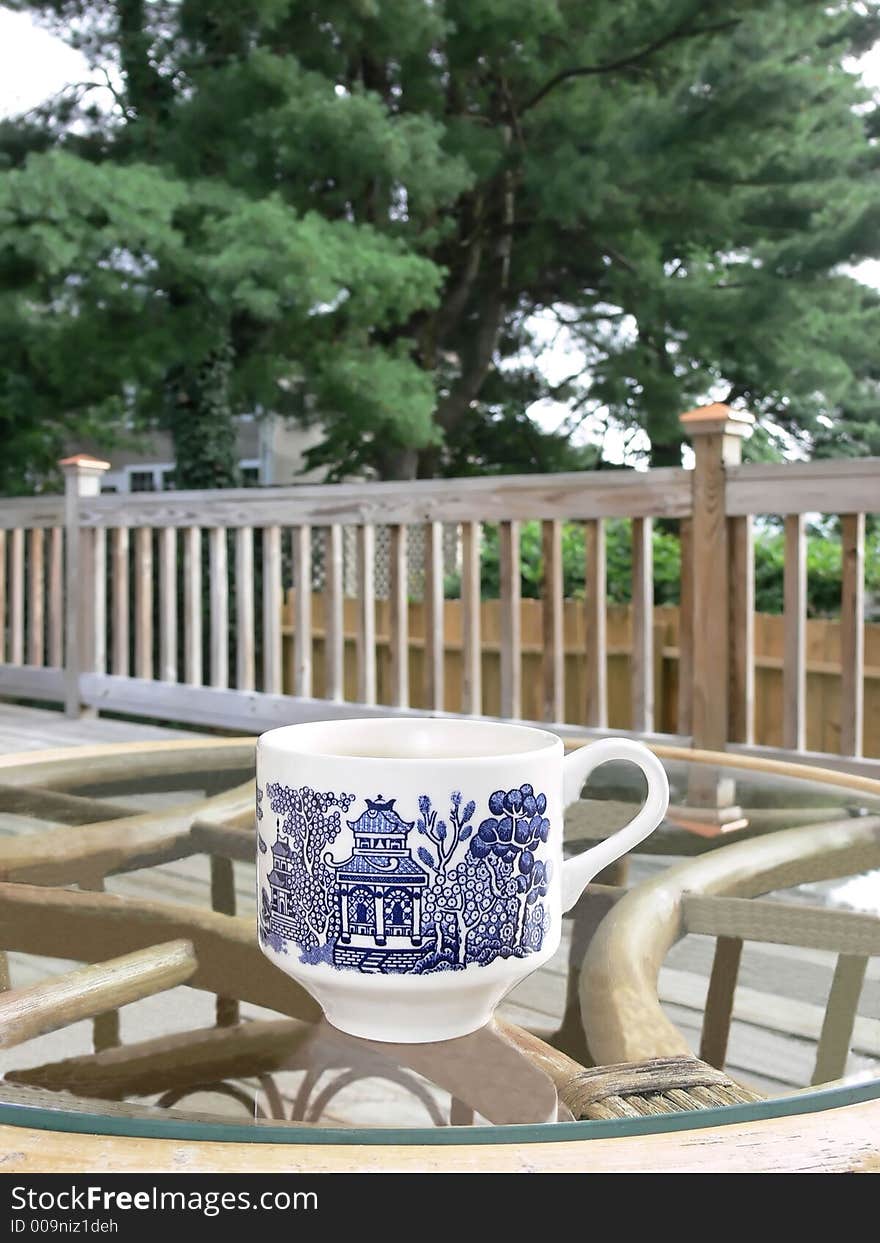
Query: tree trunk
x,y
398,463
202,425
462,935
148,92
666,452
521,920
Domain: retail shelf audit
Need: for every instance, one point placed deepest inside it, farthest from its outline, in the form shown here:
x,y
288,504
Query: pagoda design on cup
x,y
379,892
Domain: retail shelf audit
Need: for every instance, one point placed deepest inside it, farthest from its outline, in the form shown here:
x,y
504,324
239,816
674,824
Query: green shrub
x,y
823,565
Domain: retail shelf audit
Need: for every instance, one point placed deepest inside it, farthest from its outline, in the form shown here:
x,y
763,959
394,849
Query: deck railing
x,y
170,605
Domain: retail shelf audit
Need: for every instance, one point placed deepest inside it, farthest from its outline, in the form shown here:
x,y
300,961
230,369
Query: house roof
x,y
398,869
380,818
280,847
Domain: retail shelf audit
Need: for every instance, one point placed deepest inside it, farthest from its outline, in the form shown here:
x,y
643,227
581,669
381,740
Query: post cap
x,y
83,462
717,418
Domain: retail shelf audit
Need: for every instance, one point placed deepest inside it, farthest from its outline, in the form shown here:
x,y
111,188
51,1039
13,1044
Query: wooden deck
x,y
36,729
778,1013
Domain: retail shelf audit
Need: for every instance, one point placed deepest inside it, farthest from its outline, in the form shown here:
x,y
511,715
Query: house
x,y
271,450
379,894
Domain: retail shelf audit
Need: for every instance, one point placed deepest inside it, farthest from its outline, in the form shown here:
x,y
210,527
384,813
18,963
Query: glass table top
x,y
134,848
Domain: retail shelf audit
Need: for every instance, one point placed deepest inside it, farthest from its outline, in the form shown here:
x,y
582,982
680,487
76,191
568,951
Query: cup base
x,y
411,1012
384,1032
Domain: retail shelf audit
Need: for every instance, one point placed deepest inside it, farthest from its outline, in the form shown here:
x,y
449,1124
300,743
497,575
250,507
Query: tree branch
x,y
453,305
452,407
626,62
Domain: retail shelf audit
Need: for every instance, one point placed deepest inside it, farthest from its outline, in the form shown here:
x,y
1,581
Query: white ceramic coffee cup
x,y
410,869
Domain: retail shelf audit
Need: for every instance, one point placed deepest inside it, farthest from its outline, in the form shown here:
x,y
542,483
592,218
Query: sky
x,y
34,64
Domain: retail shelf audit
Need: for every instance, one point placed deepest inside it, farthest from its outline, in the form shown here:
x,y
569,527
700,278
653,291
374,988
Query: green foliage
x,y
365,210
199,415
618,543
824,571
823,566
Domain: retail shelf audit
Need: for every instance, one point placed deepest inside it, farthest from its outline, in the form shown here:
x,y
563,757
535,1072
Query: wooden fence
x,y
169,605
824,670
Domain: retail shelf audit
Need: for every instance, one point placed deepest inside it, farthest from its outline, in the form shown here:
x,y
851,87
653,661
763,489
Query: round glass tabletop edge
x,y
39,1118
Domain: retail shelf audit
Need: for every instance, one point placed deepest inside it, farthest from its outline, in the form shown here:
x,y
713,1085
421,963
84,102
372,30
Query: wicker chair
x,y
663,1085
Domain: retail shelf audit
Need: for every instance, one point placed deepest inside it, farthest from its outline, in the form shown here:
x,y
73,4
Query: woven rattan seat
x,y
662,1085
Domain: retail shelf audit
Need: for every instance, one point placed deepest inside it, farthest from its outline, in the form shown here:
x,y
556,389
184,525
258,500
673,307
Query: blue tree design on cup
x,y
533,881
473,914
446,835
514,834
307,822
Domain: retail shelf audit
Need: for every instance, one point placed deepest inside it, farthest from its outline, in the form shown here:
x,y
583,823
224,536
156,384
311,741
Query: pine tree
x,y
354,211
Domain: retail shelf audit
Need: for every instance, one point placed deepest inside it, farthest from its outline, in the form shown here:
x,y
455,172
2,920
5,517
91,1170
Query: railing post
x,y
717,432
82,478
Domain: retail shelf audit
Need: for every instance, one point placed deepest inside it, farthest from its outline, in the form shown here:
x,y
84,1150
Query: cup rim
x,y
305,739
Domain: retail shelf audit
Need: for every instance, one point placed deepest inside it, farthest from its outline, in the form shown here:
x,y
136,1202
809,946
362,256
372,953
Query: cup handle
x,y
579,871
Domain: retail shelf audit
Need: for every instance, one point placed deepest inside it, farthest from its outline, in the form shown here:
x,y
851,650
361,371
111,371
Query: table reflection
x,y
474,1079
285,1071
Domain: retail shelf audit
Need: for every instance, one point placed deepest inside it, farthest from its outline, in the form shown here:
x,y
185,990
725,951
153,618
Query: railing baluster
x,y
244,609
334,617
742,629
511,608
398,593
3,618
302,617
686,627
642,656
434,619
55,598
471,620
192,606
99,600
85,602
272,610
219,606
120,602
597,635
168,604
16,597
366,616
143,602
852,634
553,655
36,589
794,673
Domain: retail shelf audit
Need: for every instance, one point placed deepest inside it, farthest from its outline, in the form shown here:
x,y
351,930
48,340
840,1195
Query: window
x,y
169,480
141,481
250,476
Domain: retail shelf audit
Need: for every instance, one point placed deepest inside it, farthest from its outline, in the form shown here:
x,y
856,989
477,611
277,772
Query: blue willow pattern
x,y
467,895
